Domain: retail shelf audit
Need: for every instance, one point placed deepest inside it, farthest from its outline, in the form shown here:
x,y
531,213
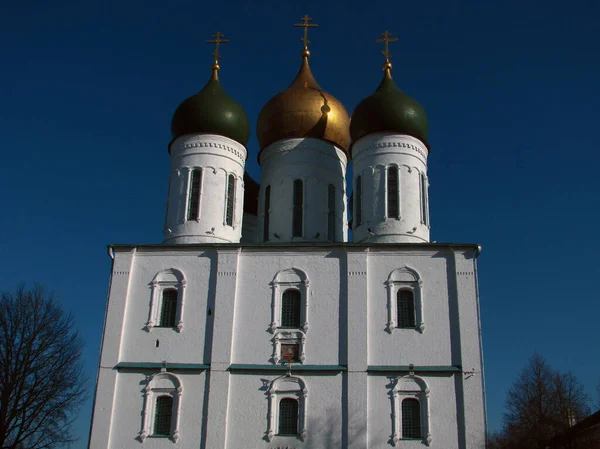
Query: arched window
x,y
331,213
288,417
411,418
161,409
424,205
163,413
267,212
406,308
290,309
410,413
358,201
230,200
194,195
167,300
287,412
392,193
298,208
405,300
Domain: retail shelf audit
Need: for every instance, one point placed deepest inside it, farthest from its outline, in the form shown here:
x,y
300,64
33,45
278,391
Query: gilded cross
x,y
217,40
305,25
387,39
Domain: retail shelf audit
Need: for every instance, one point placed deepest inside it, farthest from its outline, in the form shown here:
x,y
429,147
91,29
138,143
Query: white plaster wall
x,y
218,157
129,402
249,406
372,155
187,346
318,163
347,316
406,346
257,268
442,411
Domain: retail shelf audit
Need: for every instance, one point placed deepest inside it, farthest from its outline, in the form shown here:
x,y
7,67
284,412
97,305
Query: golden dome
x,y
304,110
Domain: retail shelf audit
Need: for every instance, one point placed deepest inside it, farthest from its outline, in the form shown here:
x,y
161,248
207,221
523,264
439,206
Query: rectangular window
x,y
230,200
392,192
406,309
162,416
331,213
298,208
194,194
288,417
267,208
290,309
358,201
168,309
424,205
411,419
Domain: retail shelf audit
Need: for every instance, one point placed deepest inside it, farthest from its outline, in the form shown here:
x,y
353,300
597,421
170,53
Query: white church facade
x,y
262,322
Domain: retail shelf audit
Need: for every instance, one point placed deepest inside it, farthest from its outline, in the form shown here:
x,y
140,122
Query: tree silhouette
x,y
41,372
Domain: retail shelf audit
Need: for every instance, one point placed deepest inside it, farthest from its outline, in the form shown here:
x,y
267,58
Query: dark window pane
x,y
406,308
331,213
267,207
168,309
194,202
424,206
298,206
230,200
411,418
288,417
358,201
392,192
162,415
290,309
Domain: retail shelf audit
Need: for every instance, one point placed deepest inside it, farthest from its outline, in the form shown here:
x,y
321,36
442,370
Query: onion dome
x,y
303,110
389,110
211,111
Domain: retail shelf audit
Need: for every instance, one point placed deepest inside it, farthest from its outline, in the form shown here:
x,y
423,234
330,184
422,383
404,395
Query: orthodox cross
x,y
387,39
305,25
217,40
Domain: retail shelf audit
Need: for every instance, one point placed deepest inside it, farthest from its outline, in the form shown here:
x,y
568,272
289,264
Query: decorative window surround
x,y
170,278
161,384
293,278
288,336
405,387
404,278
190,188
282,388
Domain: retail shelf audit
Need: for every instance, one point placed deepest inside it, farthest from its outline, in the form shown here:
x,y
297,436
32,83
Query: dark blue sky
x,y
87,91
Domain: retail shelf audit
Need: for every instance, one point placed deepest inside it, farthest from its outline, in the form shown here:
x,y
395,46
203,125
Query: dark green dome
x,y
211,111
389,110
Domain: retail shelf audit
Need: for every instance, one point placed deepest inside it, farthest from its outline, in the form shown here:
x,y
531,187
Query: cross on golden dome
x,y
217,40
305,25
387,39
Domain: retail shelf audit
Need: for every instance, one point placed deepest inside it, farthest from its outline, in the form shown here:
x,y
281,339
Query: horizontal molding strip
x,y
414,368
283,368
151,365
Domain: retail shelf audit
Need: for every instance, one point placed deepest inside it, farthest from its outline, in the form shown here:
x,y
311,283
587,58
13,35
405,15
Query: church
x,y
290,313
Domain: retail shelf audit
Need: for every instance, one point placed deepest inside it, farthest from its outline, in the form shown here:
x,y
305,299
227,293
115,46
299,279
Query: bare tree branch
x,y
42,384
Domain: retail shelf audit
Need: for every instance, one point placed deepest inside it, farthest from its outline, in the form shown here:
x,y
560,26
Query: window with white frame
x,y
405,300
289,313
195,182
162,401
410,414
393,192
267,213
167,300
287,408
358,207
